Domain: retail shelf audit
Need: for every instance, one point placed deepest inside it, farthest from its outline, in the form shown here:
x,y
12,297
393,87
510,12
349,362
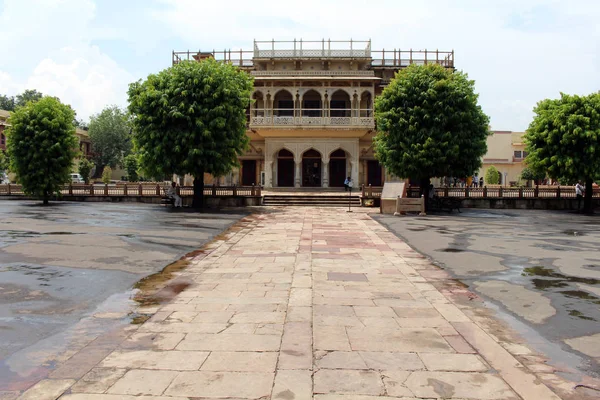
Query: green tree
x,y
563,140
81,124
27,96
528,174
191,119
110,135
131,166
4,162
42,145
492,176
429,124
7,103
106,174
85,169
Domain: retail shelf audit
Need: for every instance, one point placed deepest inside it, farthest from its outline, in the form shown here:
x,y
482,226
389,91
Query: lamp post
x,y
349,195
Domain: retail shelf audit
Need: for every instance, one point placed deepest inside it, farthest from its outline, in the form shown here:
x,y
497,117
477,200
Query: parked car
x,y
77,178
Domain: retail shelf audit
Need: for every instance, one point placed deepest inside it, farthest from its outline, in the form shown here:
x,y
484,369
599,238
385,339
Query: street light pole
x,y
349,196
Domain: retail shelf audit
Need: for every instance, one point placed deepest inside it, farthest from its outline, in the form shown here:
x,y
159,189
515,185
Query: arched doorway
x,y
311,104
311,168
285,168
337,168
340,105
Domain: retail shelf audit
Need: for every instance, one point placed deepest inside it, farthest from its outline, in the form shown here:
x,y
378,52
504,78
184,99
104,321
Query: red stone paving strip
x,y
305,303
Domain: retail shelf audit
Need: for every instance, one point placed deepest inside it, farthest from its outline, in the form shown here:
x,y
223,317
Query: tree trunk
x,y
198,200
46,198
588,208
424,184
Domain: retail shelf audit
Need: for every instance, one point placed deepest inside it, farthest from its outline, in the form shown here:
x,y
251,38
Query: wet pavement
x,y
298,303
539,269
67,273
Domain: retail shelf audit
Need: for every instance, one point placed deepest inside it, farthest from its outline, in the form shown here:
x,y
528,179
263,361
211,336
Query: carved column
x,y
268,174
297,167
354,172
325,171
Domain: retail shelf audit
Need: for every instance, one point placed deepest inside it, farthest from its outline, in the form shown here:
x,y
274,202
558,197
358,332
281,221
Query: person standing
x,y
475,180
347,183
481,182
579,191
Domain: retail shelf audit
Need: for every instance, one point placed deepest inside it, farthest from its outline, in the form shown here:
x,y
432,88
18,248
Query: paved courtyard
x,y
540,268
302,303
66,273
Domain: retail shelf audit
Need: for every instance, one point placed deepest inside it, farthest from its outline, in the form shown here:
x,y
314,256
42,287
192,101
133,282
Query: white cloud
x,y
518,51
82,77
47,48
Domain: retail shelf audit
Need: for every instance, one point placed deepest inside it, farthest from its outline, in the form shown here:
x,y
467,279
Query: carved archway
x,y
339,104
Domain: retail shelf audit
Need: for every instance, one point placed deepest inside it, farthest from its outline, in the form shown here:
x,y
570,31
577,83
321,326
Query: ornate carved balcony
x,y
311,122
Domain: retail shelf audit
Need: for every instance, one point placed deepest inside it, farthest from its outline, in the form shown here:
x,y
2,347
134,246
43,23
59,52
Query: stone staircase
x,y
321,200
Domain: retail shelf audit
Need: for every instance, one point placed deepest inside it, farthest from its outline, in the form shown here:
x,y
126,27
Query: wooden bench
x,y
410,204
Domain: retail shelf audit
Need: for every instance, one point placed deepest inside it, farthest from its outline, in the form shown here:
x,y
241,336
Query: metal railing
x,y
404,58
319,49
312,49
489,192
139,190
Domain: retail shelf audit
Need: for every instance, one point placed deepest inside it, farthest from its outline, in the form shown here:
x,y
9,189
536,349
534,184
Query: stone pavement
x,y
304,303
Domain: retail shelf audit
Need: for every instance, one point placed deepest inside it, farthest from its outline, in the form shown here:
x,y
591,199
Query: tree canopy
x,y
11,103
563,140
3,162
7,103
42,145
110,136
191,119
429,124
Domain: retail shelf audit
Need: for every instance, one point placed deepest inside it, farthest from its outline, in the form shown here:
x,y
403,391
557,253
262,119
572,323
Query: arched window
x,y
311,104
283,104
340,104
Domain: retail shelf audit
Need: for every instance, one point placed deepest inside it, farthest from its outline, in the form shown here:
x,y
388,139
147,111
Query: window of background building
x,y
2,139
518,154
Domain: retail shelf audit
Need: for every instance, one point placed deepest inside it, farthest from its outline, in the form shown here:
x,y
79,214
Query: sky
x,y
86,52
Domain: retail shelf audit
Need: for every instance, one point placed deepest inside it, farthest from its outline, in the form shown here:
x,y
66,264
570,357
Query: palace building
x,y
311,122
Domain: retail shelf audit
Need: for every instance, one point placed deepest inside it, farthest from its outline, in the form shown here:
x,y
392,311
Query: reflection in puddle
x,y
550,273
554,280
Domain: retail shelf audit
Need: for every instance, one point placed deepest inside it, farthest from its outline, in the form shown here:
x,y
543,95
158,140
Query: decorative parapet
x,y
313,73
307,122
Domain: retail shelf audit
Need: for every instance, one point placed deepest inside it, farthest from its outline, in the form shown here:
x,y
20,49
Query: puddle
x,y
452,250
550,273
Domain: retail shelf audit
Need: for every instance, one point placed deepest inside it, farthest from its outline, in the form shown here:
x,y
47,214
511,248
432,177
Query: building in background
x,y
506,152
311,122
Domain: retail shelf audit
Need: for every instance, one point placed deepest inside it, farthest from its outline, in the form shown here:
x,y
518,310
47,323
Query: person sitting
x,y
346,184
172,194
